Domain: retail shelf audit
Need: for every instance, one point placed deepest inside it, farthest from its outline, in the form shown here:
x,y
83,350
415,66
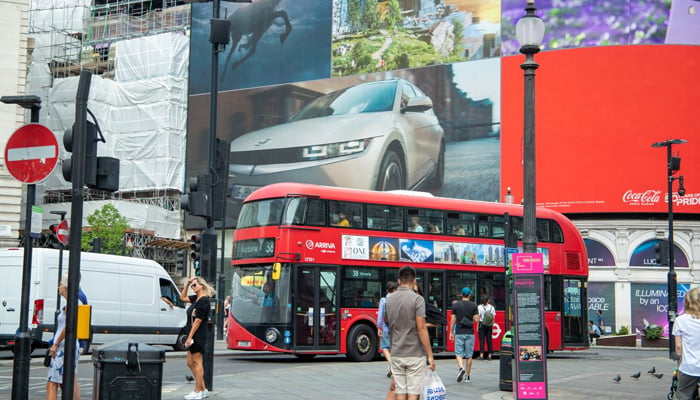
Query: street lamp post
x,y
529,31
673,165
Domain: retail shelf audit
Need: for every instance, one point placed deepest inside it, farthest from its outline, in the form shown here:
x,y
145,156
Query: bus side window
x,y
316,215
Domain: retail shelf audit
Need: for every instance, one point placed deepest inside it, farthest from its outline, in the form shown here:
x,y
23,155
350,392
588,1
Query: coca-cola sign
x,y
645,198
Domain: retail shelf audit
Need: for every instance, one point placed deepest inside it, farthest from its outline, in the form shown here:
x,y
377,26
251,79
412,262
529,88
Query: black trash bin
x,y
505,380
127,371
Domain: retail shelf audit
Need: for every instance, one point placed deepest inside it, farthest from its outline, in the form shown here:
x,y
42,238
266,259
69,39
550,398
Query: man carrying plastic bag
x,y
433,389
410,345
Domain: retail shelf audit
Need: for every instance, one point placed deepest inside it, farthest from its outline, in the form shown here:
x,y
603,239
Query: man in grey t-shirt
x,y
410,345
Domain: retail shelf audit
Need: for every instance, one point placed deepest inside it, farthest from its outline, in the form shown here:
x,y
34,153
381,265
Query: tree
x,y
354,14
108,225
393,14
370,18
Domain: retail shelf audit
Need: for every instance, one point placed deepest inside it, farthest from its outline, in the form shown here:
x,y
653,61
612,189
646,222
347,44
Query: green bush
x,y
624,330
653,332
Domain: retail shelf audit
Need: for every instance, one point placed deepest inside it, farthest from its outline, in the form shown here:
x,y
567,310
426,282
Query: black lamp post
x,y
529,31
673,165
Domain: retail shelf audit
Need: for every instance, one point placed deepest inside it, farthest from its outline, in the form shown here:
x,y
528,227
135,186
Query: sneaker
x,y
389,374
460,374
468,379
195,396
205,394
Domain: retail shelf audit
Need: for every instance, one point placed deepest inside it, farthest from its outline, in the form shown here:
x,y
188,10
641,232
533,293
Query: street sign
x,y
62,232
31,153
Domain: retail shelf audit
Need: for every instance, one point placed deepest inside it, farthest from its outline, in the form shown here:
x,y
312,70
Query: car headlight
x,y
323,151
271,335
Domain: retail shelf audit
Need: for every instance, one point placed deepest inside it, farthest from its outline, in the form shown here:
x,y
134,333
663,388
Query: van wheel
x,y
180,342
362,343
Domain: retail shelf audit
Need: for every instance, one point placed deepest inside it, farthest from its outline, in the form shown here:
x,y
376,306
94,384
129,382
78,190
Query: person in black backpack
x,y
464,314
487,313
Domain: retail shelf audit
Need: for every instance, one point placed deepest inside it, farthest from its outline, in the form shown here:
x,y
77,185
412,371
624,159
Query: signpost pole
x,y
23,343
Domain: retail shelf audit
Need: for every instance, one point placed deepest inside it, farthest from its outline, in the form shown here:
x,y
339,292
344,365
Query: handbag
x,y
433,388
47,358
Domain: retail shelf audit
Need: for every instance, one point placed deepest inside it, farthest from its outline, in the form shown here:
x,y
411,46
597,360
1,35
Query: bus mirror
x,y
276,271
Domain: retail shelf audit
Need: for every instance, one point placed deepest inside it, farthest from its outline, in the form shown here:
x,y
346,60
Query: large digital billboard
x,y
415,94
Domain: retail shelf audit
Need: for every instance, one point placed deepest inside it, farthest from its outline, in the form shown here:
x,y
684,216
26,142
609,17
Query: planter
x,y
618,340
661,343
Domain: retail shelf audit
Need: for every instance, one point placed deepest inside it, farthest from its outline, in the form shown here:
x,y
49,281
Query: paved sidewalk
x,y
571,376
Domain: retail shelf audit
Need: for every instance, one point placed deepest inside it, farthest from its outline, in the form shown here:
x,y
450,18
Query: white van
x,y
126,295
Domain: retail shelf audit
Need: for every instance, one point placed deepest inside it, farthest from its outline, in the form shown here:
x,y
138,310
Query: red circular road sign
x,y
62,232
31,153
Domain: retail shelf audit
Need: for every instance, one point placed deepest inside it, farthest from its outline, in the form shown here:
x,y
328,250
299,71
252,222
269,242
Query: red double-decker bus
x,y
310,264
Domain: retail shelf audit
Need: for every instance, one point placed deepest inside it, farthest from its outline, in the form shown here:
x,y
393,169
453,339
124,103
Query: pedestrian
x,y
686,332
465,314
487,314
197,320
227,311
57,352
383,328
593,332
601,321
410,345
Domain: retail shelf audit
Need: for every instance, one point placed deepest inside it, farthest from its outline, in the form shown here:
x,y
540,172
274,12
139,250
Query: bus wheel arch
x,y
362,343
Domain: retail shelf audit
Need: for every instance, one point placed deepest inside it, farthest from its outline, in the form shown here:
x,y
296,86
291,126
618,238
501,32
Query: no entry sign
x,y
31,153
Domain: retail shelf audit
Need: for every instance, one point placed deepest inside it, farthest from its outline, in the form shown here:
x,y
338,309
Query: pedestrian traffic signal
x,y
196,248
95,245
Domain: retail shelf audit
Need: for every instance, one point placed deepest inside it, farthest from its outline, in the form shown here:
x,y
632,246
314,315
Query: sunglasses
x,y
194,285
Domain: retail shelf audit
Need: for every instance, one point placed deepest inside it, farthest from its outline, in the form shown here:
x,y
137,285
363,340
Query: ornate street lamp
x,y
529,31
673,165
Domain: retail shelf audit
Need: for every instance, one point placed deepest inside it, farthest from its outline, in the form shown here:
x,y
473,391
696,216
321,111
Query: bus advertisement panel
x,y
310,264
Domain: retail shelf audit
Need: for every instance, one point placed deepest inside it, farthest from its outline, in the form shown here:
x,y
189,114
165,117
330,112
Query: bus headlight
x,y
271,335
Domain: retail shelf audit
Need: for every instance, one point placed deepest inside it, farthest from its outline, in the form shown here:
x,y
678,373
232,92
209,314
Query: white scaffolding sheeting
x,y
142,113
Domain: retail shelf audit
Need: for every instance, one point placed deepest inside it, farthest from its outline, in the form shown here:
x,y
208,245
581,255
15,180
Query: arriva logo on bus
x,y
311,245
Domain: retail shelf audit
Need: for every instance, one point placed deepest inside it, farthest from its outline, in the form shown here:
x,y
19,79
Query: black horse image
x,y
248,24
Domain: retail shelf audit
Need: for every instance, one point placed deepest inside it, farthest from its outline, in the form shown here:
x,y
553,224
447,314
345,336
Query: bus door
x,y
431,284
575,326
316,297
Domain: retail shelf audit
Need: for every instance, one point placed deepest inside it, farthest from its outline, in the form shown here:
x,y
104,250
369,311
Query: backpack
x,y
433,315
487,320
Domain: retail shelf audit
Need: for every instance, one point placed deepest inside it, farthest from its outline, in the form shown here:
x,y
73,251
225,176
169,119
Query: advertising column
x,y
529,349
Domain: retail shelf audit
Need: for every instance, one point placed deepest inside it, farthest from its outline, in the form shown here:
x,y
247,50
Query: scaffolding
x,y
68,36
75,35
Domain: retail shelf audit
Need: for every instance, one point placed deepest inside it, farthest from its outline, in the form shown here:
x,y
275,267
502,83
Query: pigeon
x,y
659,376
617,379
652,370
637,375
189,378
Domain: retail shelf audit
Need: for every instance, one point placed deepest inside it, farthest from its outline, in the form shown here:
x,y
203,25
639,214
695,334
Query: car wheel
x,y
391,173
437,179
362,343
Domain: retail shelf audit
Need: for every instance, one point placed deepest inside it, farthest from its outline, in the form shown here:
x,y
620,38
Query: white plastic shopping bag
x,y
433,389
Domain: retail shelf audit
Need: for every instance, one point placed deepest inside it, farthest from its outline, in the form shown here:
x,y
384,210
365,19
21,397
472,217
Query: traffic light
x,y
661,252
197,254
198,201
209,254
181,262
100,172
95,245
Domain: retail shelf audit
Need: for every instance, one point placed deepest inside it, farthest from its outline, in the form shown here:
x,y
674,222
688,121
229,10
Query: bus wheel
x,y
180,344
362,343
